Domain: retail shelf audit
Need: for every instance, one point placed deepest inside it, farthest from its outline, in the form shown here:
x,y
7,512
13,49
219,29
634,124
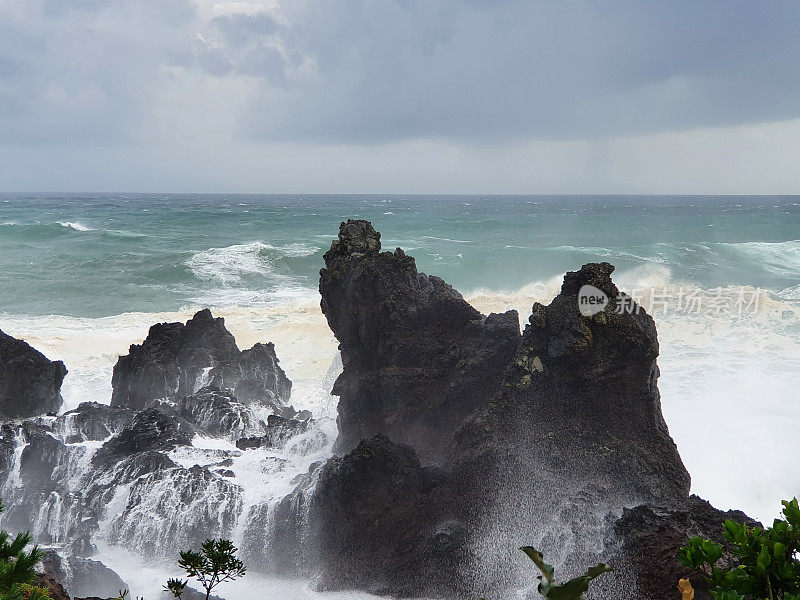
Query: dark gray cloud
x,y
342,94
553,70
376,71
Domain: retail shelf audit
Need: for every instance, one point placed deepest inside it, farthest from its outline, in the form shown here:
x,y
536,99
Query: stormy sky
x,y
448,96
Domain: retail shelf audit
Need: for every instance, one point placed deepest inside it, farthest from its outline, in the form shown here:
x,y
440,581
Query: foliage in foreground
x,y
216,563
175,587
570,590
18,568
768,560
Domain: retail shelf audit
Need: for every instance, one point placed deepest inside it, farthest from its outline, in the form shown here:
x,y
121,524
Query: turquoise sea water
x,y
101,255
84,276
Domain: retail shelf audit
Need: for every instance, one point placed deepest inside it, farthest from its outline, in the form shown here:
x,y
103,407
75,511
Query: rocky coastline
x,y
460,439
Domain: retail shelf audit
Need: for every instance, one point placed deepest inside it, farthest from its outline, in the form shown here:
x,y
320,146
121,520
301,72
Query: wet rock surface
x,y
279,431
92,422
176,359
30,384
544,437
652,537
82,577
150,429
383,518
218,413
131,470
417,357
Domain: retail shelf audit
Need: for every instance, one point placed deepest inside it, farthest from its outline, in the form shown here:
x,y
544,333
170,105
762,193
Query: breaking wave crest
x,y
75,225
230,264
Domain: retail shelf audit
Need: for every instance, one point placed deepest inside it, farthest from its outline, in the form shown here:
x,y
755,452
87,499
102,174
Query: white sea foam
x,y
90,347
76,225
728,386
230,263
782,258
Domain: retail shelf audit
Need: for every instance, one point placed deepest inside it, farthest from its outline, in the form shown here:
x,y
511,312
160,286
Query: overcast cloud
x,y
400,95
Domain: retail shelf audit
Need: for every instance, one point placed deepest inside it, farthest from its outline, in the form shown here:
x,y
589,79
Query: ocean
x,y
82,276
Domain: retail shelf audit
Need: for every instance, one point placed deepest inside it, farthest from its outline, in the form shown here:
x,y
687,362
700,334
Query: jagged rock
x,y
92,422
30,384
175,360
546,437
652,537
150,429
82,576
576,431
219,414
256,377
279,431
581,400
176,508
384,522
417,357
56,590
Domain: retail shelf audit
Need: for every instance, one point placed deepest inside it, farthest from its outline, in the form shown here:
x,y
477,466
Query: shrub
x,y
767,562
18,567
175,587
215,564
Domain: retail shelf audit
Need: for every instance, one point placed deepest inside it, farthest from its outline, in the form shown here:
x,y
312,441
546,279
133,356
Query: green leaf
x,y
764,560
538,559
712,551
598,570
791,510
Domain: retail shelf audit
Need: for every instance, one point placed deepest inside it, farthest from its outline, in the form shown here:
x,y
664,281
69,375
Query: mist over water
x,y
83,277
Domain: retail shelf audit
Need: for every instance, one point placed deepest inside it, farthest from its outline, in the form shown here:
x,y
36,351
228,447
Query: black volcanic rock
x,y
279,430
218,413
54,588
652,537
256,377
582,398
383,521
175,360
30,384
82,576
545,437
417,357
149,430
92,422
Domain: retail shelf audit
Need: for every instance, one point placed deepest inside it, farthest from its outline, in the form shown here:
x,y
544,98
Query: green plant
x,y
215,564
175,587
570,590
767,561
18,567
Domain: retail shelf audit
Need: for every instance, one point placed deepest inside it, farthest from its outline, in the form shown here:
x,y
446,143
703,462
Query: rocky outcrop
x,y
91,422
256,377
176,360
279,431
176,508
376,506
544,437
54,588
82,577
150,429
417,357
652,537
218,413
30,384
590,384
